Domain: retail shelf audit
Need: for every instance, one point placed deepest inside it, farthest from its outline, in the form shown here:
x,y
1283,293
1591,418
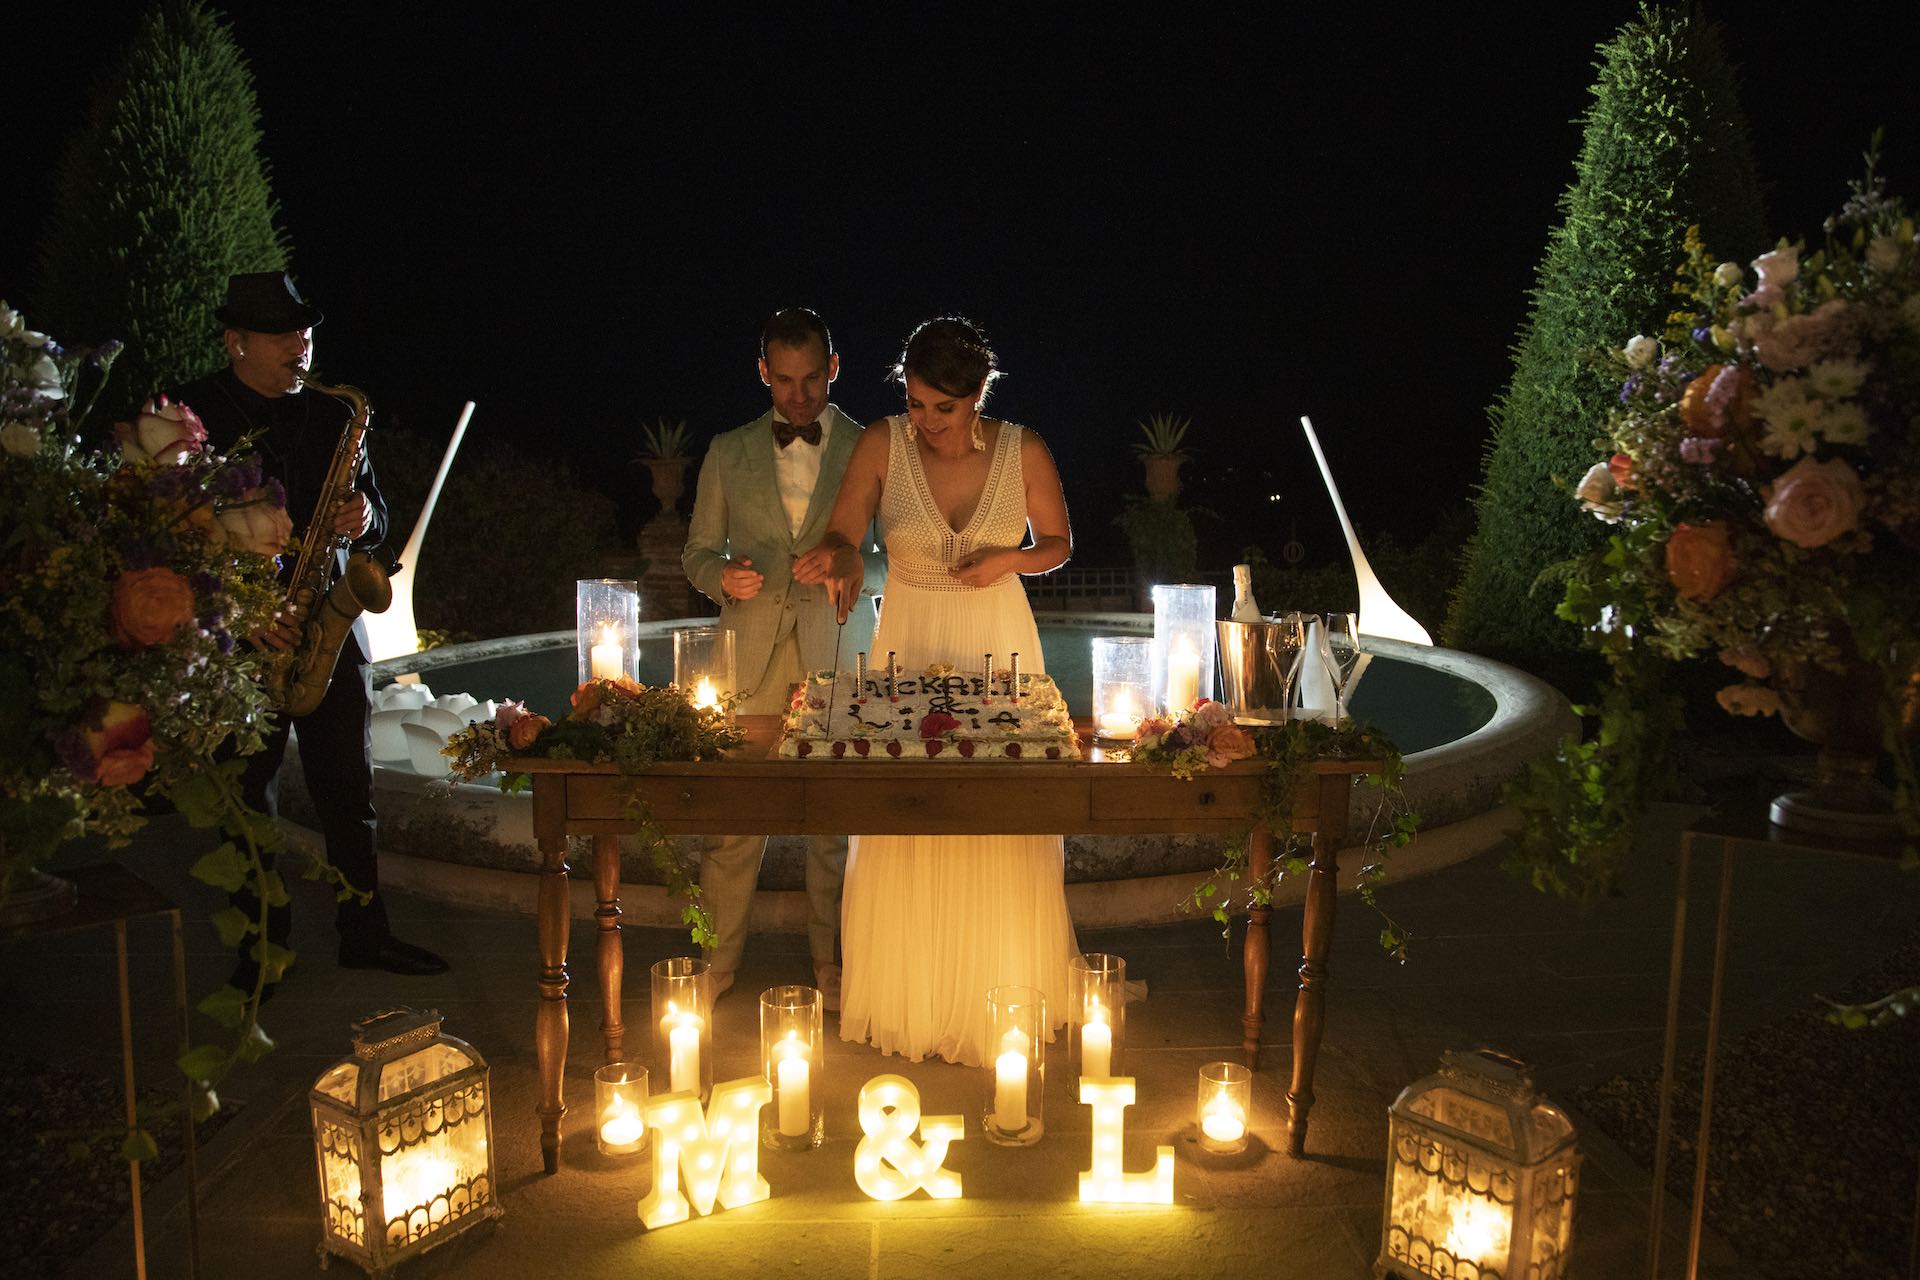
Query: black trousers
x,y
336,755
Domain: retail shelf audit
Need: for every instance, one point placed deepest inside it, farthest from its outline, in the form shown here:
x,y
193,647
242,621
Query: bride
x,y
929,924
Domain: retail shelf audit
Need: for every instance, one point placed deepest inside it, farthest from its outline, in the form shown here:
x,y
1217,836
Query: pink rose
x,y
1748,661
163,434
1814,502
1776,271
526,731
150,606
258,524
1794,341
507,712
1209,716
1229,743
1699,560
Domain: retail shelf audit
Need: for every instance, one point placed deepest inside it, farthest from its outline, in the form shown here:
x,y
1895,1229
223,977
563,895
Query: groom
x,y
766,491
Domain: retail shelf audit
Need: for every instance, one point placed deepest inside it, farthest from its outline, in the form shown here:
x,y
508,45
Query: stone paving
x,y
1578,991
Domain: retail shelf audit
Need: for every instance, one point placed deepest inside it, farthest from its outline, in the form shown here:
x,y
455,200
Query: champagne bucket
x,y
1258,662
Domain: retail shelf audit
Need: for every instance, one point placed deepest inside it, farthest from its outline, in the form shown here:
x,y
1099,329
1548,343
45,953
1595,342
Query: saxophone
x,y
324,605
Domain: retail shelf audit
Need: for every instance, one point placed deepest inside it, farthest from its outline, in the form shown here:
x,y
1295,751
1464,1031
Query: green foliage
x,y
1161,536
158,199
663,439
1665,146
1162,435
535,524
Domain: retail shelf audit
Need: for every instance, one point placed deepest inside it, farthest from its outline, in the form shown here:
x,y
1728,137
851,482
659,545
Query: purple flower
x,y
224,639
171,482
103,354
1702,335
1630,388
1698,449
236,479
276,491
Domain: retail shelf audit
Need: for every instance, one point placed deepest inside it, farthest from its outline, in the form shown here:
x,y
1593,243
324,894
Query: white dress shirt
x,y
796,470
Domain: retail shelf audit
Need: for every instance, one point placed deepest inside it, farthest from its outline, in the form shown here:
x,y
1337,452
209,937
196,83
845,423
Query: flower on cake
x,y
937,724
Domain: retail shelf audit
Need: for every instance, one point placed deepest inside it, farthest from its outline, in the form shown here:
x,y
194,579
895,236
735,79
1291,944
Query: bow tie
x,y
784,433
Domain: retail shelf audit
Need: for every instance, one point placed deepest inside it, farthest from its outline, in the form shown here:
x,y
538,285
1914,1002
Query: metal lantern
x,y
1183,641
607,626
403,1137
703,666
1481,1176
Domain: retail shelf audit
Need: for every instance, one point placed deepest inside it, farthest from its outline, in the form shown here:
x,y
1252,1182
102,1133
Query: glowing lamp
x,y
683,1025
1096,1012
703,667
792,1050
619,1109
1108,1182
1122,685
1481,1176
1017,1067
1183,645
403,1138
716,1147
888,1164
607,622
1226,1102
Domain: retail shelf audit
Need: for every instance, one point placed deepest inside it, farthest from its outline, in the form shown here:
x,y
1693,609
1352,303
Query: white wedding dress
x,y
928,924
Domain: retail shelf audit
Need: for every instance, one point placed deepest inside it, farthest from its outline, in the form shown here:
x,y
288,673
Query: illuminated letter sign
x,y
1106,1181
718,1149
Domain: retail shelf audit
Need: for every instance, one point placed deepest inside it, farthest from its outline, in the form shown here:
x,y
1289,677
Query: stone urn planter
x,y
1163,475
1839,712
669,479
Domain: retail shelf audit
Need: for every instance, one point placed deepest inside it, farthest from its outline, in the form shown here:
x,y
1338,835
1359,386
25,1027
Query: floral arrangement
x,y
1206,737
127,578
617,722
1763,481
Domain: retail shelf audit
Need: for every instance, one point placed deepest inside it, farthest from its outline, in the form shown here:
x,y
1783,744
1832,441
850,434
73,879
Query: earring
x,y
979,441
910,436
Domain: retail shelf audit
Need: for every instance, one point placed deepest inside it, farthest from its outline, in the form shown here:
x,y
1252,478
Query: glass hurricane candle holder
x,y
1122,686
1183,645
619,1109
1225,1107
1017,1070
683,1024
1096,1012
703,667
607,619
792,1048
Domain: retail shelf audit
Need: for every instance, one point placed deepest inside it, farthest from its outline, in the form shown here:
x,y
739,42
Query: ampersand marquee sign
x,y
888,1164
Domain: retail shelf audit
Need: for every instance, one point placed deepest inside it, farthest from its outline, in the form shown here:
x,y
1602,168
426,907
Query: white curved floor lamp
x,y
393,634
1379,615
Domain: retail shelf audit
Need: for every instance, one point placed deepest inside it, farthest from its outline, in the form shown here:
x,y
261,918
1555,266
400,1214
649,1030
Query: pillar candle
x,y
1183,678
683,1045
621,1126
1096,1042
793,1073
606,656
1121,716
1010,1083
1222,1120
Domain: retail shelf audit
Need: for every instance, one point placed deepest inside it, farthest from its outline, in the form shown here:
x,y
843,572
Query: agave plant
x,y
1164,434
663,439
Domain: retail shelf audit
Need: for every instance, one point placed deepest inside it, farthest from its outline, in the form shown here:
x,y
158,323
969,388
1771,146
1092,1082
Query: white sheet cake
x,y
946,715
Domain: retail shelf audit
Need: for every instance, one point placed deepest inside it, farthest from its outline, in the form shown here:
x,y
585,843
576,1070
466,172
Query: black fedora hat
x,y
266,302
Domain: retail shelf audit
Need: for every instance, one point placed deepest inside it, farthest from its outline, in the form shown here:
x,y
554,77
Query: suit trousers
x,y
336,755
730,866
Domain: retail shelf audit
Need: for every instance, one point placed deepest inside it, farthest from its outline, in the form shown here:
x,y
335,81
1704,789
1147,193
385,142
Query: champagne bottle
x,y
1244,609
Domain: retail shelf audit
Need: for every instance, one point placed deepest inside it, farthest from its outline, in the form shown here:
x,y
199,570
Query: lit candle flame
x,y
703,695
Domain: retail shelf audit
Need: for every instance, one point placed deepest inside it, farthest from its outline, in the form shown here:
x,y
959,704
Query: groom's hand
x,y
740,580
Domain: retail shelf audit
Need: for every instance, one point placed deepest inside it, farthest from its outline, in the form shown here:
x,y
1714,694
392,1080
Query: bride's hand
x,y
984,567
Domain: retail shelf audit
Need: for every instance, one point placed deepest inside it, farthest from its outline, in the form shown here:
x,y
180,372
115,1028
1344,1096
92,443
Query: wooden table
x,y
754,792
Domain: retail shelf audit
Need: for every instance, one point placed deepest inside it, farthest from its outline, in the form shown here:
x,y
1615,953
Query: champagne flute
x,y
1288,647
1340,648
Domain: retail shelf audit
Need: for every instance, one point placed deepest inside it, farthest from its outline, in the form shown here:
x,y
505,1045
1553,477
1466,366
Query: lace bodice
x,y
921,545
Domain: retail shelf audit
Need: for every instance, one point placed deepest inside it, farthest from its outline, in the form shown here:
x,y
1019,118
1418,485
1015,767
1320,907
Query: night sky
x,y
579,220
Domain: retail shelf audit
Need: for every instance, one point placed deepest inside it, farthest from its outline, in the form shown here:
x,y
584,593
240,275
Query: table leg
x,y
1254,952
550,1022
1316,933
612,960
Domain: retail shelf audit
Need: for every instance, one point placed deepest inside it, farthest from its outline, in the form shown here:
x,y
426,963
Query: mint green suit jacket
x,y
737,515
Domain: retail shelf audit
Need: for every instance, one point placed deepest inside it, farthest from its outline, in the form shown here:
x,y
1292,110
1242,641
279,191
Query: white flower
x,y
1843,423
1598,493
1641,351
1883,253
1836,379
1728,274
33,338
12,323
43,375
1791,419
20,439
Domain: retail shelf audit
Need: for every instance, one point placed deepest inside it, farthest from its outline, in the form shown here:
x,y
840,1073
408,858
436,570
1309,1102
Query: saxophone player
x,y
269,343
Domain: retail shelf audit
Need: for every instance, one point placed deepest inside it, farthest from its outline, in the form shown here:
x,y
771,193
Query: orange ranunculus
x,y
150,606
1700,560
1620,467
522,733
122,747
1227,743
1718,401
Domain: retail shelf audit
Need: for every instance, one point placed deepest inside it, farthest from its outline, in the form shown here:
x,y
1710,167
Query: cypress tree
x,y
1665,147
157,200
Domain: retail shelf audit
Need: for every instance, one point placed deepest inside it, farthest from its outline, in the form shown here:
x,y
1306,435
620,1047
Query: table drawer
x,y
716,802
1146,797
1022,806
